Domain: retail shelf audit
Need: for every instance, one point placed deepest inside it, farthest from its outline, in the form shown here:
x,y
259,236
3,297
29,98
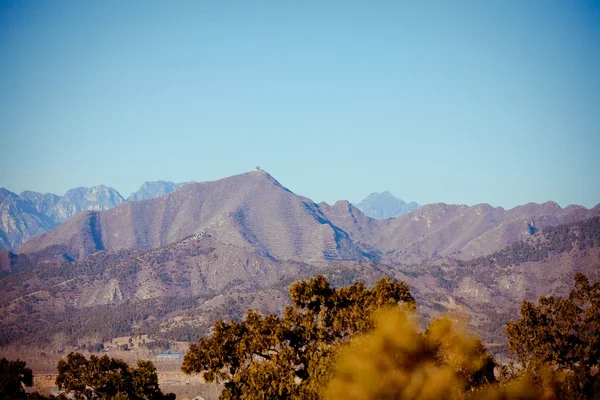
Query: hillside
x,y
489,289
445,230
178,291
174,278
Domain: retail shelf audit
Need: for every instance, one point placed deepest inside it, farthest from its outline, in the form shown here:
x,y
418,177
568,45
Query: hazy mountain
x,y
385,205
151,190
43,203
33,213
250,210
20,220
30,214
96,198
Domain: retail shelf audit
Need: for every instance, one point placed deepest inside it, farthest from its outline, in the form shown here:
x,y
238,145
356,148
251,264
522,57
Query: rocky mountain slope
x,y
385,205
250,210
489,289
175,278
438,230
29,214
179,290
20,220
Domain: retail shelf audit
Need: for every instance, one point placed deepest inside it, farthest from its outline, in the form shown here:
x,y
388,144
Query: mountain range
x,y
254,211
31,213
173,264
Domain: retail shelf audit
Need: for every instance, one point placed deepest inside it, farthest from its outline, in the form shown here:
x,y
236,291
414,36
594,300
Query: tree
x,y
14,375
396,361
145,382
270,357
104,377
564,335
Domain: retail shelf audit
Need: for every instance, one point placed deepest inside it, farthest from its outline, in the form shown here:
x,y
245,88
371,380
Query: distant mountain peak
x,y
259,175
385,205
31,213
382,195
153,189
571,206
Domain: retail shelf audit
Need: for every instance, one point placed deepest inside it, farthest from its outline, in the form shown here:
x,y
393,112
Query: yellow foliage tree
x,y
396,361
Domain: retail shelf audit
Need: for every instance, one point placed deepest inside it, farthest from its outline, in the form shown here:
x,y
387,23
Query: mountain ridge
x,y
254,210
251,210
30,213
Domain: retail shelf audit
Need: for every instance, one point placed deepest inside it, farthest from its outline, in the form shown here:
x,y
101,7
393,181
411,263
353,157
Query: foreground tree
x,y
14,376
398,361
271,358
563,335
104,377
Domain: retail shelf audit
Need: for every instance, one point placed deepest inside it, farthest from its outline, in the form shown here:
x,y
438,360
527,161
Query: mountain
x,y
385,205
20,220
172,265
254,211
250,210
439,230
31,213
96,198
177,291
151,190
490,288
43,203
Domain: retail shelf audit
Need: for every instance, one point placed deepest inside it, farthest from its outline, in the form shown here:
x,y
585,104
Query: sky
x,y
453,101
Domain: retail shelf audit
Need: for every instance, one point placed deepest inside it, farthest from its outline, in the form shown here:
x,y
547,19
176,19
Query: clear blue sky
x,y
460,102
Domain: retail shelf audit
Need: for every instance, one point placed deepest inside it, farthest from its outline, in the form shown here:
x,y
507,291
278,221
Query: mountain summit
x,y
385,205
